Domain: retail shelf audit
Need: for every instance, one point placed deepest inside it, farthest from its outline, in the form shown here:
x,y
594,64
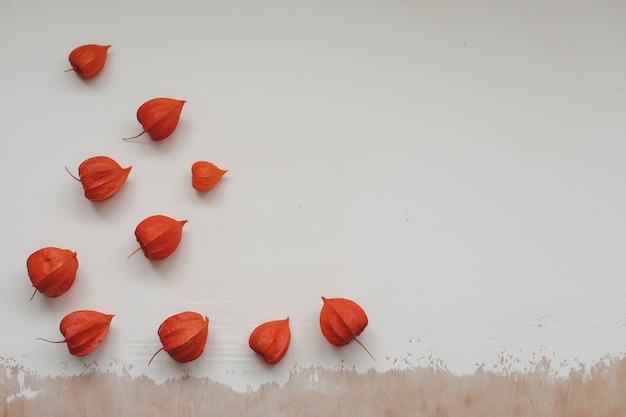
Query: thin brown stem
x,y
363,346
33,296
134,252
51,341
72,175
133,137
155,353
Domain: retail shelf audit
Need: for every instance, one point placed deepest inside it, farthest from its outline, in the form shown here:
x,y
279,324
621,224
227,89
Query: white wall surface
x,y
457,168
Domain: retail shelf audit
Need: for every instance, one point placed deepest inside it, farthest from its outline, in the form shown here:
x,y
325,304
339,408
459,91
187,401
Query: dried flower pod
x,y
271,340
101,177
205,175
159,117
159,236
88,60
52,270
183,336
84,330
341,321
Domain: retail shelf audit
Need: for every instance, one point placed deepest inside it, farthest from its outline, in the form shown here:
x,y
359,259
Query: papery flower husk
x,y
159,117
84,330
159,236
205,175
88,60
102,177
341,320
52,270
271,340
184,335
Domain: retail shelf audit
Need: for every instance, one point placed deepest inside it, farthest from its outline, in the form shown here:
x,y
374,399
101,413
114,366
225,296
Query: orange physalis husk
x,y
183,336
52,270
101,177
342,320
205,175
88,60
83,330
271,340
159,117
159,236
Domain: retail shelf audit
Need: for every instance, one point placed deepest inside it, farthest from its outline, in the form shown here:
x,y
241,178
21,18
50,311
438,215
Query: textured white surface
x,y
455,168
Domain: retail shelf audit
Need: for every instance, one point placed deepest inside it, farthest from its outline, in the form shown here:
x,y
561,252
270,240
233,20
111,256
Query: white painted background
x,y
455,167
